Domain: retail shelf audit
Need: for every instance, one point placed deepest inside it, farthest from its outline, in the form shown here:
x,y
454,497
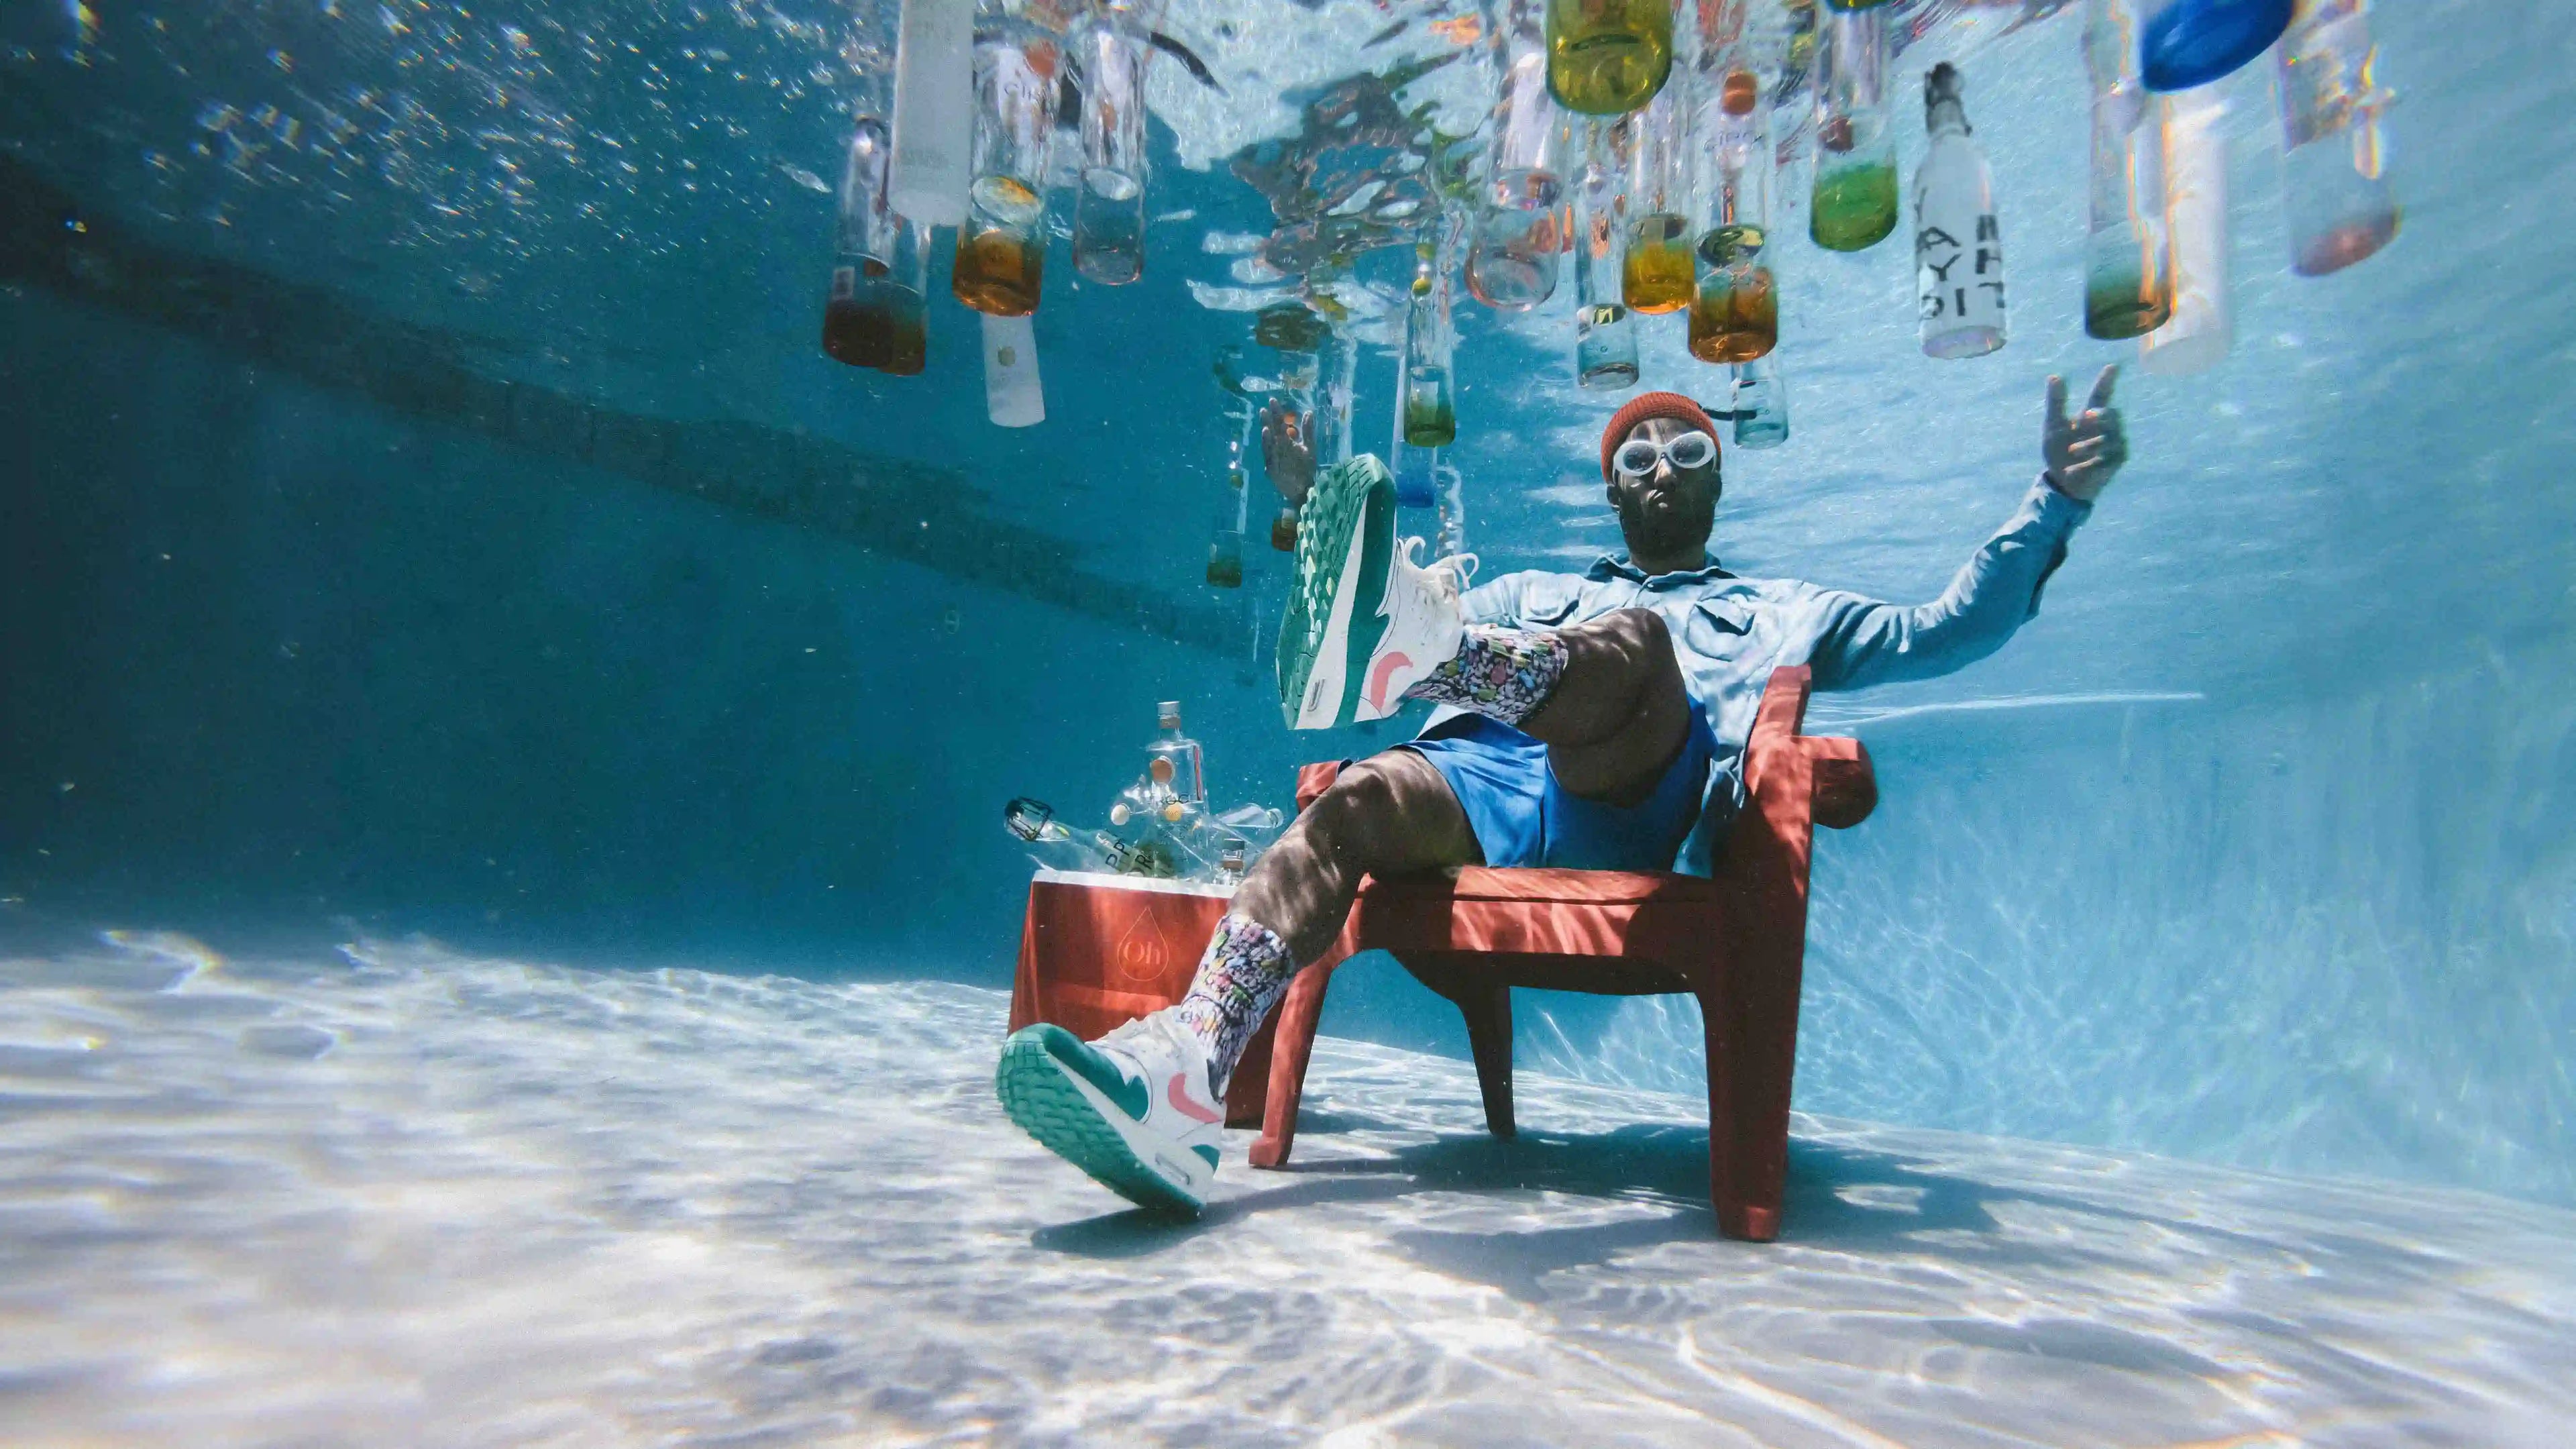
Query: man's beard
x,y
1667,530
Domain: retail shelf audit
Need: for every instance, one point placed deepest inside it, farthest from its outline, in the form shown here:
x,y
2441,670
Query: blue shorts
x,y
1522,816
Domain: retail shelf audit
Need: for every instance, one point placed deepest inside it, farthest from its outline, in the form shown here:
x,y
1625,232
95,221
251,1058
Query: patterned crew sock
x,y
1241,977
1502,674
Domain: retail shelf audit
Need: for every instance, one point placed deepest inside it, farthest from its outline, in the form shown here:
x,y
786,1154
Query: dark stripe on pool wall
x,y
912,511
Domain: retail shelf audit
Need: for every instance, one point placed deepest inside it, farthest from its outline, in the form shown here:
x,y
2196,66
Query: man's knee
x,y
1381,809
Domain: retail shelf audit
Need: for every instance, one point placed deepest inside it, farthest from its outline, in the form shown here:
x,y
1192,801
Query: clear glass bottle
x,y
1605,336
1608,57
1449,494
1001,248
1410,466
875,315
1225,550
1111,48
1656,273
1512,247
2202,329
1288,428
1174,760
1958,244
1335,362
2334,179
1854,203
1760,402
1735,309
1429,404
2128,268
1033,823
934,111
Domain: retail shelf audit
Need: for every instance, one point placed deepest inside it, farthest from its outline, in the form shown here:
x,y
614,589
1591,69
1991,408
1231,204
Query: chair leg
x,y
1748,1115
1299,1011
1488,1009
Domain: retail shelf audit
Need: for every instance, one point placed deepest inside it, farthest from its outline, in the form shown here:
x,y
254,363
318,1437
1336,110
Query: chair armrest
x,y
1842,785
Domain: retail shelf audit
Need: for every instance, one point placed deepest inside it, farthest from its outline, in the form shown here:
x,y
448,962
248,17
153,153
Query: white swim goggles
x,y
1637,457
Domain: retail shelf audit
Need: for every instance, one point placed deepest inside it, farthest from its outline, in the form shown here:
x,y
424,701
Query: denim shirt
x,y
1730,633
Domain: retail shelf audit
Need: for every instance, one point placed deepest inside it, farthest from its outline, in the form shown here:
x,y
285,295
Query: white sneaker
x,y
1133,1109
1364,621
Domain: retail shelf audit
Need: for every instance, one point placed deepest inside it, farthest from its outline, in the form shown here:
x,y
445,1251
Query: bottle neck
x,y
1946,118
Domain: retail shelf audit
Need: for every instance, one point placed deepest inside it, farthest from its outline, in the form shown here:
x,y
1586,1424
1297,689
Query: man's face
x,y
1666,513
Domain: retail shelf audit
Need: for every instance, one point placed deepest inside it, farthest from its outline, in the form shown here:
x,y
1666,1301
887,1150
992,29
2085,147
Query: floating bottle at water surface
x,y
934,111
1759,399
1001,247
1656,273
1605,336
2334,183
1429,403
2202,329
2128,267
1112,48
1735,309
875,315
1288,432
1958,244
1854,204
1608,57
1512,247
1449,495
1411,467
1335,360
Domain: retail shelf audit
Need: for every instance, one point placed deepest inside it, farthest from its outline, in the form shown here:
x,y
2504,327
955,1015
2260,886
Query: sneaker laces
x,y
1453,572
1162,1026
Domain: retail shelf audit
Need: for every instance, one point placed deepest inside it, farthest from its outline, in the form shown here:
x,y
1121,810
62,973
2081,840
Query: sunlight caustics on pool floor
x,y
454,1200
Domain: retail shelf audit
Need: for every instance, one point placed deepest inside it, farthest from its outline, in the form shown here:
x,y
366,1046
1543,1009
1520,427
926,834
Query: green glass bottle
x,y
1855,201
1608,57
1430,399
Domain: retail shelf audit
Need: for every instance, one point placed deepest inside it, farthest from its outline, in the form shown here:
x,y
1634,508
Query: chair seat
x,y
1541,886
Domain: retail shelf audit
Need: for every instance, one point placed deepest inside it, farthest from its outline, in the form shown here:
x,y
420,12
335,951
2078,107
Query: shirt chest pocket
x,y
1717,628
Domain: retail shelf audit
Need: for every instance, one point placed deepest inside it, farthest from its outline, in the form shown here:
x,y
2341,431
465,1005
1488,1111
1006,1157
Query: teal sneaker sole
x,y
1049,1107
1347,493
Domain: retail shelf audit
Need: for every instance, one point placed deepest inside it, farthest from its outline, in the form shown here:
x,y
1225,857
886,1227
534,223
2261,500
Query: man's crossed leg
x,y
1611,722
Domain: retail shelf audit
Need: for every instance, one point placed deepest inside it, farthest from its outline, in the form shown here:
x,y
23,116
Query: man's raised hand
x,y
2082,454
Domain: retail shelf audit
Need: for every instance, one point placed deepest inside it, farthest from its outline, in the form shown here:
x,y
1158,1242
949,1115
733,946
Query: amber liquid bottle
x,y
874,315
998,269
1735,313
1655,275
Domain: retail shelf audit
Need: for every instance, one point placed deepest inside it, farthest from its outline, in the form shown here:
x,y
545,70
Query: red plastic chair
x,y
1737,942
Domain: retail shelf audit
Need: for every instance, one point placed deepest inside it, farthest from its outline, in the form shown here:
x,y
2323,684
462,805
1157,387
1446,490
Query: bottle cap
x,y
1174,811
1170,712
1737,95
1120,814
1161,769
1942,83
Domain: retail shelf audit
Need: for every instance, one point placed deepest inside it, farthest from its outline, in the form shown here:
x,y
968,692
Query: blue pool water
x,y
550,843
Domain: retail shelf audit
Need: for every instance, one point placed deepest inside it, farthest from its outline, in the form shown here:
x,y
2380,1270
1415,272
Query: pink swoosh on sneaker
x,y
1182,1104
1380,673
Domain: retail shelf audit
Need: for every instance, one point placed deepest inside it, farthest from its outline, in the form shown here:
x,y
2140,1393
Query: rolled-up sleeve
x,y
1858,642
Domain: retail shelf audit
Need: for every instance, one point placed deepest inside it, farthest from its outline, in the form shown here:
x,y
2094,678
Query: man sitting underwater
x,y
1593,721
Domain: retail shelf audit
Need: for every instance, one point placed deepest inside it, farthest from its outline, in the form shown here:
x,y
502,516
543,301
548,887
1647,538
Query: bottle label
x,y
1959,270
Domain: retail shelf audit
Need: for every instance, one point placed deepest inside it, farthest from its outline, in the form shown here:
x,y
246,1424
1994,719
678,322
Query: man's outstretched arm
x,y
1861,641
